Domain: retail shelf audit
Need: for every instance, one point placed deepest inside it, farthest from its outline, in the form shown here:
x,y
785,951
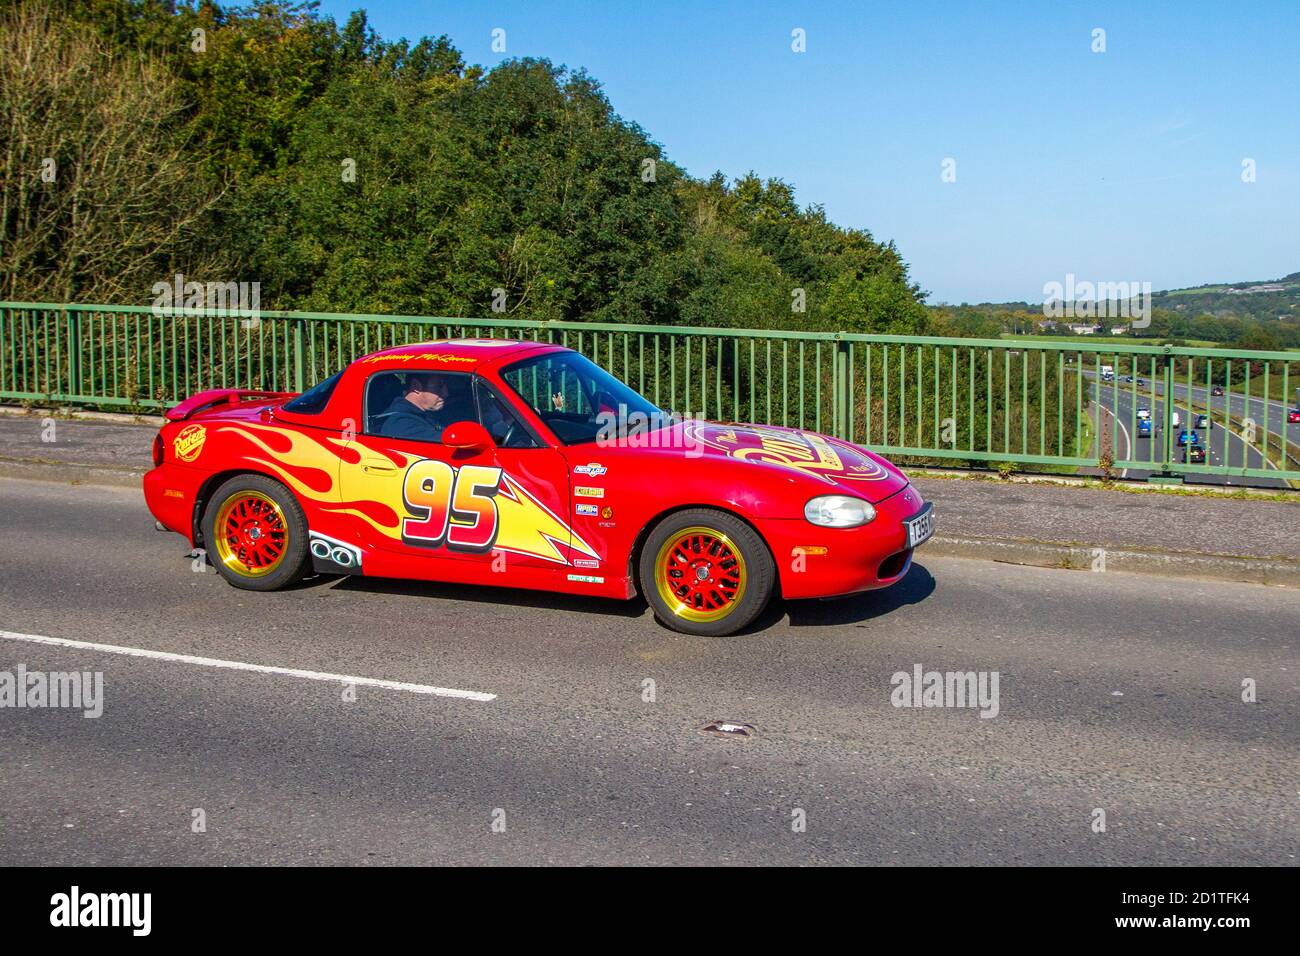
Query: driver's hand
x,y
557,401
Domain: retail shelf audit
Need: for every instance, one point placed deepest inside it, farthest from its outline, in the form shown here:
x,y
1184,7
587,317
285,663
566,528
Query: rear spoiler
x,y
218,396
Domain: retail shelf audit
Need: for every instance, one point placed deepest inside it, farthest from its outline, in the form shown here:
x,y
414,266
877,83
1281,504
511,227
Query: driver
x,y
416,413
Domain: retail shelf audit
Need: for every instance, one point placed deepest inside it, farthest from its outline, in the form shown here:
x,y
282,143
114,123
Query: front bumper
x,y
815,562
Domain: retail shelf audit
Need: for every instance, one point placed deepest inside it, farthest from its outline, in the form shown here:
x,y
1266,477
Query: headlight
x,y
839,511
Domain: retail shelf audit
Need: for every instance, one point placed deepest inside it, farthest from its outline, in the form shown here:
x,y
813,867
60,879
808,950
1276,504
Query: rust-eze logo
x,y
189,443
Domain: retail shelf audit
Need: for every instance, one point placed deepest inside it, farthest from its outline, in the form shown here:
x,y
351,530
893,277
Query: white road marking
x,y
255,668
1128,442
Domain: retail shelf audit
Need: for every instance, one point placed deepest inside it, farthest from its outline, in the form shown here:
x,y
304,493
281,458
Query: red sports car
x,y
523,464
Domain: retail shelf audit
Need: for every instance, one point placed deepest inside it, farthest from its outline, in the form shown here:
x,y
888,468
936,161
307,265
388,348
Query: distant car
x,y
1194,455
1144,414
1144,428
1217,390
1142,383
1126,378
1202,421
1175,420
1187,438
1293,415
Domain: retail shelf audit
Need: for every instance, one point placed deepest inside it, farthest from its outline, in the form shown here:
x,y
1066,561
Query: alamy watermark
x,y
950,689
621,428
1098,300
21,689
182,297
130,910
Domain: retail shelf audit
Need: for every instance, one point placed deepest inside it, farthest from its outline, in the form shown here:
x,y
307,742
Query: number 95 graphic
x,y
455,508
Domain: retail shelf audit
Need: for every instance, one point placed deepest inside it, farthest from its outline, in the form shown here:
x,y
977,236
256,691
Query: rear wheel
x,y
706,572
255,533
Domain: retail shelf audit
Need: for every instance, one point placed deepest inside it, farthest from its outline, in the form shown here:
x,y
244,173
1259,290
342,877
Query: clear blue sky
x,y
1115,166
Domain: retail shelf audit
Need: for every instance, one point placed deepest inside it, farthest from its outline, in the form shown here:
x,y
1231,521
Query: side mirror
x,y
467,436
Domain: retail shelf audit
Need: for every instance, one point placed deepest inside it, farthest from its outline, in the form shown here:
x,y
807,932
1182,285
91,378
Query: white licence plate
x,y
920,527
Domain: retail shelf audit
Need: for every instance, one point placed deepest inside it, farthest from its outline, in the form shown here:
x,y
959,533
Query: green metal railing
x,y
1036,404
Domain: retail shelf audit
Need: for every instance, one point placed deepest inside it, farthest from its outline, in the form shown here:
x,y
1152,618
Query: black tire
x,y
290,567
756,584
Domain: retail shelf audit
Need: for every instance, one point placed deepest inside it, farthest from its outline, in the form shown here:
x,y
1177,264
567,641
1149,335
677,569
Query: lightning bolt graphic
x,y
528,527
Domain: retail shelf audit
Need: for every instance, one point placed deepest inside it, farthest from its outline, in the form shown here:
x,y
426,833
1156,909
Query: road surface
x,y
1117,693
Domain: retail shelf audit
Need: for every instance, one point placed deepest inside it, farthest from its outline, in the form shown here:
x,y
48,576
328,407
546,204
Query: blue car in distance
x,y
1188,438
1144,428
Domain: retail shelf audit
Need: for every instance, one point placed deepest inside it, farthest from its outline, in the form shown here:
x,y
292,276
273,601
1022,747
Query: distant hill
x,y
1264,300
1223,298
1292,280
1257,314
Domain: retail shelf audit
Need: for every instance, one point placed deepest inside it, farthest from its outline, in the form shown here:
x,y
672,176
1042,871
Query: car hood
x,y
794,455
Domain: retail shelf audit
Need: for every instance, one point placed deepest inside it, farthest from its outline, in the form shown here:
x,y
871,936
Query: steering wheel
x,y
510,431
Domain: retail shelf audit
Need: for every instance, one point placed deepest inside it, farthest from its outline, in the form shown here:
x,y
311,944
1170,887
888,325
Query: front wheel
x,y
706,572
255,533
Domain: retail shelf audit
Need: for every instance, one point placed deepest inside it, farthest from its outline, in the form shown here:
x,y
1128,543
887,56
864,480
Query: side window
x,y
569,392
314,400
417,405
505,427
530,383
550,386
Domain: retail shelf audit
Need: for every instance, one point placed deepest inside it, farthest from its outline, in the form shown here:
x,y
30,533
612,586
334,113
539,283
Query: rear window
x,y
314,400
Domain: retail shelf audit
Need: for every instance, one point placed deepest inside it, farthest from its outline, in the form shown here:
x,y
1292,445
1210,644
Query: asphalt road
x,y
1223,445
1120,693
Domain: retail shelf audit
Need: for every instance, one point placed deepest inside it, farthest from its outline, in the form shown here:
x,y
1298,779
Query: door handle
x,y
375,467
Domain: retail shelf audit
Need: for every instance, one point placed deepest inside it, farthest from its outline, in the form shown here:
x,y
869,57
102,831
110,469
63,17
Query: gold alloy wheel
x,y
700,574
251,534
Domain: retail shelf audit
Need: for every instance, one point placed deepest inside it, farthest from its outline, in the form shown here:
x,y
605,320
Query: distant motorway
x,y
1224,445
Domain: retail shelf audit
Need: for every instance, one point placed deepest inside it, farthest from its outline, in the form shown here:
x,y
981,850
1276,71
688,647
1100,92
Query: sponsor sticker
x,y
188,443
586,492
586,509
592,469
585,563
607,512
586,579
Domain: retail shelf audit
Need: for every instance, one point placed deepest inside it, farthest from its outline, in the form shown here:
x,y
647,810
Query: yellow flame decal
x,y
525,525
529,527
